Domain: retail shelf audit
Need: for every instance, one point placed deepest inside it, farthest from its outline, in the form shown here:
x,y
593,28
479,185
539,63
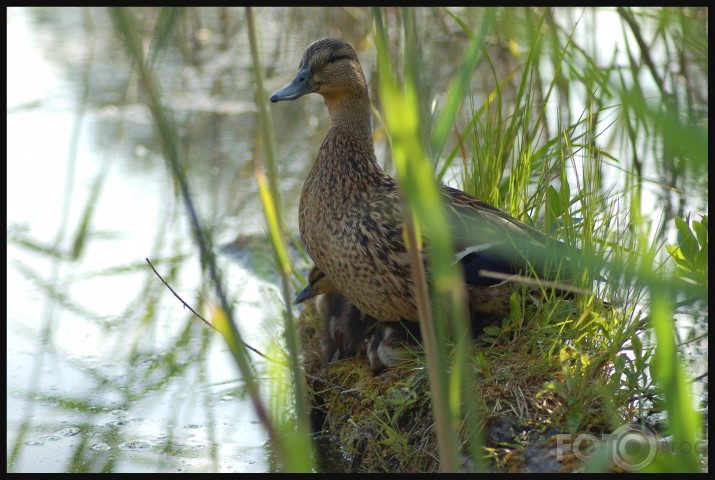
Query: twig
x,y
645,50
270,359
644,322
651,395
699,377
186,305
533,282
692,340
334,385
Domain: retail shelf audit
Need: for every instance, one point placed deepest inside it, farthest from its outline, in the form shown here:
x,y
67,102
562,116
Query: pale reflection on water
x,y
102,365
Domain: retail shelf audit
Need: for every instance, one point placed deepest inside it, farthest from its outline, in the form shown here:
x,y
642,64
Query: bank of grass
x,y
526,395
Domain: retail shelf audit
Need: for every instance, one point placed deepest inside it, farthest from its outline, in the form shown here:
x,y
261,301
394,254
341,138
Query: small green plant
x,y
691,253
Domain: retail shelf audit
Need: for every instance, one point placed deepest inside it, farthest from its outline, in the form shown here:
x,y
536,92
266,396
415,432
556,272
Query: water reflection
x,y
106,370
96,347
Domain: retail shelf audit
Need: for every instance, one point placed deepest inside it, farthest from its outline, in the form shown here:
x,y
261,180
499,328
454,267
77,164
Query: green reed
x,y
424,213
299,456
403,123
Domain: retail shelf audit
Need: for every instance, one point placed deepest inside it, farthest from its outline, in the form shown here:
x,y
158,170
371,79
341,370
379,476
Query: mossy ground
x,y
384,423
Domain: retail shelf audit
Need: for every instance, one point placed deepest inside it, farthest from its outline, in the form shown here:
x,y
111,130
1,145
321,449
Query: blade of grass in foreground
x,y
463,398
683,421
223,318
299,457
451,387
402,123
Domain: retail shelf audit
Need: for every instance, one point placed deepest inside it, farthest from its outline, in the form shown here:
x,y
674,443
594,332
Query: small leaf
x,y
619,364
492,331
701,261
701,232
637,347
674,251
685,264
686,239
553,209
553,199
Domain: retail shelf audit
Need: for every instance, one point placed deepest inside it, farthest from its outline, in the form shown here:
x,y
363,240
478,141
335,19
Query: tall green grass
x,y
551,175
300,456
425,215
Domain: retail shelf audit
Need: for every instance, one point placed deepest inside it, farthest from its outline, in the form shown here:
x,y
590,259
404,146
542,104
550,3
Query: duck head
x,y
329,67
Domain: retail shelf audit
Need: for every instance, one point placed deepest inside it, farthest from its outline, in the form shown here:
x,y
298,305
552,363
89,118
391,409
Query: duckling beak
x,y
301,85
305,294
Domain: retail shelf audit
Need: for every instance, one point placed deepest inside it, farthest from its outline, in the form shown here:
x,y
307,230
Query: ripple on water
x,y
135,445
41,440
101,447
123,422
192,446
68,432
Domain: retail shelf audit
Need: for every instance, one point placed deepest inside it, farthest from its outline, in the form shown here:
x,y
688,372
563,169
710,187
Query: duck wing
x,y
488,239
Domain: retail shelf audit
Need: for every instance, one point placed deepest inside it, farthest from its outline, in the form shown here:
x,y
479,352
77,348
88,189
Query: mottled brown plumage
x,y
350,215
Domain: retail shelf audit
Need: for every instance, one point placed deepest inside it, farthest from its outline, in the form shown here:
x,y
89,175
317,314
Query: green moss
x,y
528,391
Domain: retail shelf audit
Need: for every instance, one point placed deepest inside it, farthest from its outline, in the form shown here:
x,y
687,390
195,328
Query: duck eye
x,y
335,58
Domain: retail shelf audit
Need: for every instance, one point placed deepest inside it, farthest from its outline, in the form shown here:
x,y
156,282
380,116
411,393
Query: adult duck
x,y
350,215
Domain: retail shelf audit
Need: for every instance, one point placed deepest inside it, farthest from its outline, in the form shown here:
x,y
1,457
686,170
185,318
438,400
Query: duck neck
x,y
351,114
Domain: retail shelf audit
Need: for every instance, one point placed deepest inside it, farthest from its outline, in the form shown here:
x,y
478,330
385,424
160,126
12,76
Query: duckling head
x,y
345,328
318,284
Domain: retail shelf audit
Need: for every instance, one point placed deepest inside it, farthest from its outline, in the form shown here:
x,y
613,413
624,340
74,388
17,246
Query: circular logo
x,y
633,447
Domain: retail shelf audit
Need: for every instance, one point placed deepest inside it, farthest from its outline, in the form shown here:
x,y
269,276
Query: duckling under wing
x,y
345,329
390,344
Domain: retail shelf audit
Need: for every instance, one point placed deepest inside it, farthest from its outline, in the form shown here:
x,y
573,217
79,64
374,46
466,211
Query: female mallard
x,y
348,333
350,215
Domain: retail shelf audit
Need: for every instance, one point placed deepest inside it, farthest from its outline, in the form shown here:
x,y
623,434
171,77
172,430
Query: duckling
x,y
391,344
349,333
345,328
350,215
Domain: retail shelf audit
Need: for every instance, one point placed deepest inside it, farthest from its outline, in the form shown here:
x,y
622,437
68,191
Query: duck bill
x,y
302,84
305,294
